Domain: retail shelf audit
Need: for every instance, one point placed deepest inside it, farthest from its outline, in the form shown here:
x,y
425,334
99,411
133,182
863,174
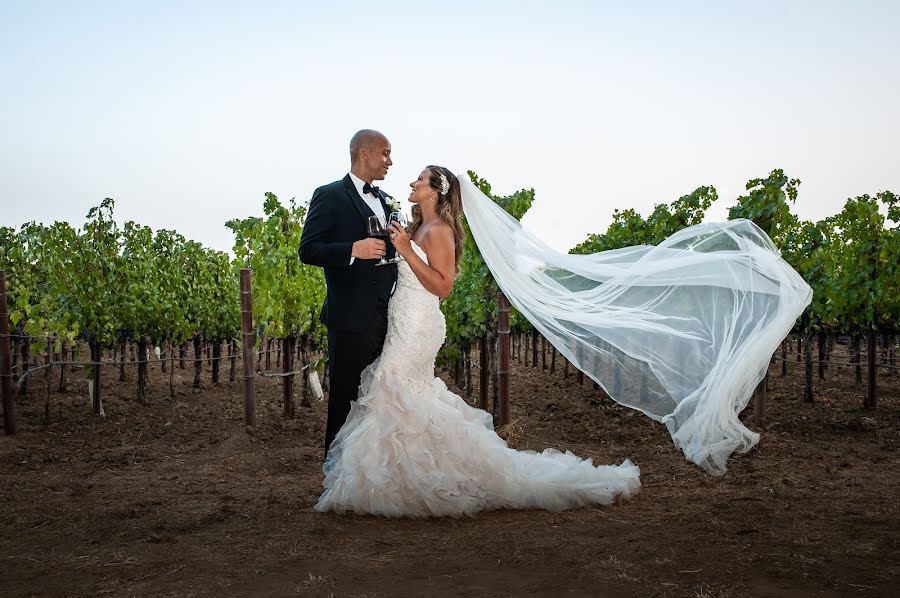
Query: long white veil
x,y
682,331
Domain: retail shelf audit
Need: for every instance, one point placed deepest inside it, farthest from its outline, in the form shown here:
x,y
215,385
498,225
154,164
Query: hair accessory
x,y
445,184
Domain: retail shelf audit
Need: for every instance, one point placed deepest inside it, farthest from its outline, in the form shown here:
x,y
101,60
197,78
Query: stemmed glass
x,y
399,218
376,229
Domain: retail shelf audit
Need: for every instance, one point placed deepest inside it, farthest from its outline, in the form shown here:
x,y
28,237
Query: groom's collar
x,y
354,185
356,180
358,183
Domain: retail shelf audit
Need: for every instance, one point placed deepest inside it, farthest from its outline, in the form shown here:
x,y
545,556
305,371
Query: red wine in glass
x,y
376,229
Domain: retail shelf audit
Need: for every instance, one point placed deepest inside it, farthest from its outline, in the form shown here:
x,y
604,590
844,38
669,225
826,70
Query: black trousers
x,y
349,353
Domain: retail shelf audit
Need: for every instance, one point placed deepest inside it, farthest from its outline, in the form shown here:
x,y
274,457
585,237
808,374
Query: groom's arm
x,y
316,246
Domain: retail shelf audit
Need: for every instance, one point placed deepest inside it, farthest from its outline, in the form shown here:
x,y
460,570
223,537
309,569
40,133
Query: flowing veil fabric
x,y
682,331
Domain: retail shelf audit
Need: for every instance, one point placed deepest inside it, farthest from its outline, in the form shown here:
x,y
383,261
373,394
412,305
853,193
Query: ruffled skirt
x,y
412,448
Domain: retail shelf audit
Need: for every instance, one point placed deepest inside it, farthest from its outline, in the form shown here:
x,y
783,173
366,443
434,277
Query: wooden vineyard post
x,y
870,402
6,386
122,363
247,349
759,403
216,357
503,366
198,359
483,372
871,398
784,357
821,354
232,356
468,359
96,357
288,381
807,357
855,357
26,364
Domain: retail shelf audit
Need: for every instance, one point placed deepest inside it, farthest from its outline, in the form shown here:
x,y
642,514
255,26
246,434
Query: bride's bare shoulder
x,y
439,236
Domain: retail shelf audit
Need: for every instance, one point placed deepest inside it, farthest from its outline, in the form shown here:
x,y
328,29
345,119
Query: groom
x,y
335,237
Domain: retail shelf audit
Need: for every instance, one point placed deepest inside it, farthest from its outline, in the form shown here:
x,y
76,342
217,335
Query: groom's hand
x,y
368,249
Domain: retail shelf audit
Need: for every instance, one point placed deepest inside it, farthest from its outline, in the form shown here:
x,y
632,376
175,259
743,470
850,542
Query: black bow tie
x,y
367,188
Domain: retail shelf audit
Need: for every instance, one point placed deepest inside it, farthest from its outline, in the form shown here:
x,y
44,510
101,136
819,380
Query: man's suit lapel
x,y
362,207
384,206
364,210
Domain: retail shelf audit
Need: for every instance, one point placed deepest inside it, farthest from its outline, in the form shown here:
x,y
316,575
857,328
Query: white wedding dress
x,y
412,448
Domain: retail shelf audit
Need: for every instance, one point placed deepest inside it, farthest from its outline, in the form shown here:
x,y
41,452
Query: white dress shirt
x,y
373,202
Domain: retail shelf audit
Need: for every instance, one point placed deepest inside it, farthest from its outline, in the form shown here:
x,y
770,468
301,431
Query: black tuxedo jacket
x,y
336,218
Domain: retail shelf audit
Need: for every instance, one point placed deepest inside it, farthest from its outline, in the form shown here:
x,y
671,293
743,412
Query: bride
x,y
682,331
412,448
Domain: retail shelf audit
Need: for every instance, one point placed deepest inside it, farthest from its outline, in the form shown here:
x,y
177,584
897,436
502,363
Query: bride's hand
x,y
399,239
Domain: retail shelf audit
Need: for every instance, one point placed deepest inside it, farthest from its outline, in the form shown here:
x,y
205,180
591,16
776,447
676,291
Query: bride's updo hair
x,y
448,207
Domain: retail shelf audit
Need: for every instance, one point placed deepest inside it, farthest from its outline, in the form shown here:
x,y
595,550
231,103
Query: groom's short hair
x,y
363,138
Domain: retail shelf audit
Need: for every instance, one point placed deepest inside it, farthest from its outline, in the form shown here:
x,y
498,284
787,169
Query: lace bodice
x,y
407,279
416,326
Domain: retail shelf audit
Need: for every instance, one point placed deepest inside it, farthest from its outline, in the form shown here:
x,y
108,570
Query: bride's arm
x,y
438,274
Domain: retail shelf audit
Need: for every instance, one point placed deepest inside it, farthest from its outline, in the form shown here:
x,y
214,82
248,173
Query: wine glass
x,y
376,229
401,219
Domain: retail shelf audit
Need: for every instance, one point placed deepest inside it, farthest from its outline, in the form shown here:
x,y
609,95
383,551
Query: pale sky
x,y
186,113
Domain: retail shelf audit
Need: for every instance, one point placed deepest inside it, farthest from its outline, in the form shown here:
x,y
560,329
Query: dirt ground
x,y
176,499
